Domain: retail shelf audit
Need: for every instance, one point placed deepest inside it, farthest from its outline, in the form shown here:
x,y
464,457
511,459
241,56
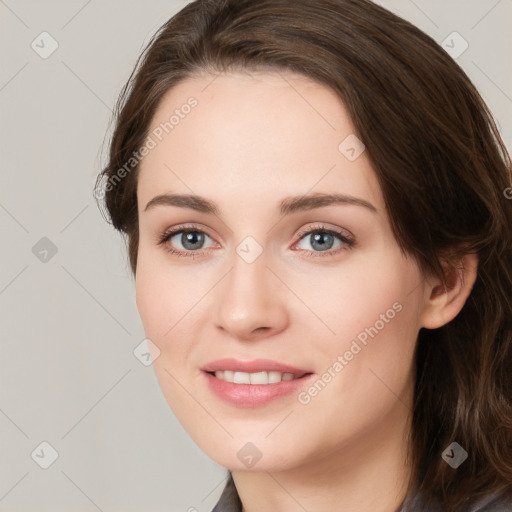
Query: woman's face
x,y
321,287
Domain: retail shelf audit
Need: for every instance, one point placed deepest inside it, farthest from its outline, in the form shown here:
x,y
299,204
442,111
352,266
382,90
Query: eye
x,y
190,238
322,240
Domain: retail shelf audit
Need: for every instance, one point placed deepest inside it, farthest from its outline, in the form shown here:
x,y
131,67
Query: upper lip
x,y
254,366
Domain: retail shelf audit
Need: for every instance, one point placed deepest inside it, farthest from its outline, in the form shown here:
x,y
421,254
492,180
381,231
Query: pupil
x,y
190,240
317,238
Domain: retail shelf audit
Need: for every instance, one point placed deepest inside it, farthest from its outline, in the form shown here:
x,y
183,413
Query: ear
x,y
443,304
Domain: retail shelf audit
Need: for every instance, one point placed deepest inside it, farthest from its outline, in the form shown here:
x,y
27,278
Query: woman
x,y
315,199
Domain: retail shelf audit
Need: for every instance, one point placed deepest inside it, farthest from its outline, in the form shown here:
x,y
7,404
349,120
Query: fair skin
x,y
253,140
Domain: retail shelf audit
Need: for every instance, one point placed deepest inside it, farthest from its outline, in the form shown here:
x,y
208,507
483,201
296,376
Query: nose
x,y
251,301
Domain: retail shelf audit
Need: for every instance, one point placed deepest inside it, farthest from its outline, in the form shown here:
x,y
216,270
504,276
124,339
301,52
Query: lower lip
x,y
253,395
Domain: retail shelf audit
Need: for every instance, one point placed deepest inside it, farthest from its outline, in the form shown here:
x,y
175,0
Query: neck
x,y
369,474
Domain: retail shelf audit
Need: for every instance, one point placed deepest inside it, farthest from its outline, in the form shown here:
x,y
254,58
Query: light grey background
x,y
69,325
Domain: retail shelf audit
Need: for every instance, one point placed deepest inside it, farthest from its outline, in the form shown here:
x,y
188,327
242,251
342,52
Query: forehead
x,y
260,134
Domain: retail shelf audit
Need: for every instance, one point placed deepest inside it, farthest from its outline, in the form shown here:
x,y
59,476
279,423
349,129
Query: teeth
x,y
255,378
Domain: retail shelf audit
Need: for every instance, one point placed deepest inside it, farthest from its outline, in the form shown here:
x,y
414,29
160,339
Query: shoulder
x,y
229,500
491,503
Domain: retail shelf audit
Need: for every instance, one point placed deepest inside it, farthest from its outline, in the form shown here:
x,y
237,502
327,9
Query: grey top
x,y
230,502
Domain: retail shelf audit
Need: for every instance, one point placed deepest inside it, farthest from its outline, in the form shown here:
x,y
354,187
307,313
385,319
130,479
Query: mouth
x,y
268,366
253,383
260,378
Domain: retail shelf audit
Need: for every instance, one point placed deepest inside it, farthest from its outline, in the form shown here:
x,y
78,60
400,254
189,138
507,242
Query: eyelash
x,y
348,241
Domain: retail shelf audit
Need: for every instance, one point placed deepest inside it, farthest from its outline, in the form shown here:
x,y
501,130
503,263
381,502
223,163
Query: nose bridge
x,y
249,298
247,282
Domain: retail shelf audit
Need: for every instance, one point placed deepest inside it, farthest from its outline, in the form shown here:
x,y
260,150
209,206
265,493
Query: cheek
x,y
161,305
372,306
169,301
150,298
371,290
157,295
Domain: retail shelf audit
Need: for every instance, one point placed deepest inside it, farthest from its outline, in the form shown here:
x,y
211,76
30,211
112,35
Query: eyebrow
x,y
287,206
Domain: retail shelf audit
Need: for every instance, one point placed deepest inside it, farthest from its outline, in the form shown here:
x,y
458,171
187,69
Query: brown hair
x,y
443,170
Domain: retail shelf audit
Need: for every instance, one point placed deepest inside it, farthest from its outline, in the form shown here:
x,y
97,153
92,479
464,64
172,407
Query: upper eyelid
x,y
172,232
343,232
321,227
